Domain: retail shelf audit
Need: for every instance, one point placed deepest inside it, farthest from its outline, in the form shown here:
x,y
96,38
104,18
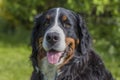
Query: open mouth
x,y
54,56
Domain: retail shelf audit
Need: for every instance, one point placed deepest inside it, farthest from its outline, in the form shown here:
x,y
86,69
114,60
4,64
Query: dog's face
x,y
56,35
59,34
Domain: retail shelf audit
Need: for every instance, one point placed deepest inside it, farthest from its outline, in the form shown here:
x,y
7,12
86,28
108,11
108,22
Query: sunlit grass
x,y
14,63
14,56
112,64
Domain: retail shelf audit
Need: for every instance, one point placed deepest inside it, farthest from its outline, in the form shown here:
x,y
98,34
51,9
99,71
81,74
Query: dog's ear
x,y
84,37
37,21
34,38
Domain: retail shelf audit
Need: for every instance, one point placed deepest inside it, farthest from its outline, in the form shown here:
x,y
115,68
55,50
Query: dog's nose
x,y
52,37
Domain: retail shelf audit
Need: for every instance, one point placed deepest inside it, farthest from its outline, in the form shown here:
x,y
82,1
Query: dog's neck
x,y
51,71
48,70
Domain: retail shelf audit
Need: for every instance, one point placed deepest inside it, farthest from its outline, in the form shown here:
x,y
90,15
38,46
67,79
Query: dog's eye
x,y
67,25
47,23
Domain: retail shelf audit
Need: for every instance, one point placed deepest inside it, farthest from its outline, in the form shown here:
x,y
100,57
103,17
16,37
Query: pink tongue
x,y
53,57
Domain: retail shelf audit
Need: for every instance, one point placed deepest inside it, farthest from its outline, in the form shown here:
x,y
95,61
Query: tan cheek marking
x,y
72,43
41,52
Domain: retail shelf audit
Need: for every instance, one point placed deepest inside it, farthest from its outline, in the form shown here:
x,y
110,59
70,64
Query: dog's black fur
x,y
84,65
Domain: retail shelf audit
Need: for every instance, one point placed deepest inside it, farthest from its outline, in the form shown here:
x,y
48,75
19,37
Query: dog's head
x,y
57,34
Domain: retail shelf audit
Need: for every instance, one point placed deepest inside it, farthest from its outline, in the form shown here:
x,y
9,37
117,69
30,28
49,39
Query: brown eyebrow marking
x,y
64,18
48,16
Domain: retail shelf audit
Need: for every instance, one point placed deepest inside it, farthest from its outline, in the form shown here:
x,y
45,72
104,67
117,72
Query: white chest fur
x,y
47,69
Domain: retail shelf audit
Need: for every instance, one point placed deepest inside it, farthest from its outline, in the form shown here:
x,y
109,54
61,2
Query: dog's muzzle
x,y
54,44
52,38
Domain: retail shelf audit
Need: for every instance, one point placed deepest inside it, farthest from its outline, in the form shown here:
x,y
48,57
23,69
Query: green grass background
x,y
15,51
14,55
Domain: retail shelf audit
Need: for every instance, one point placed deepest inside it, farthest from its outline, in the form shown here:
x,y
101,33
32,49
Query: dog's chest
x,y
47,69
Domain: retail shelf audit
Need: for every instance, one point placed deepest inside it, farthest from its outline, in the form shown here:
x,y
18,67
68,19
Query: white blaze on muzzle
x,y
59,47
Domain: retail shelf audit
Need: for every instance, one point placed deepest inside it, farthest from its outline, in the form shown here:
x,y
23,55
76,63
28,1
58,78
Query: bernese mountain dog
x,y
62,48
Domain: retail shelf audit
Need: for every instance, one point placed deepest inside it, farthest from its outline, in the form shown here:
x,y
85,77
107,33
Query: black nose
x,y
52,37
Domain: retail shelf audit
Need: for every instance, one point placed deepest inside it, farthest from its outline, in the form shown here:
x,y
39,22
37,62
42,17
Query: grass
x,y
112,64
14,56
15,51
15,64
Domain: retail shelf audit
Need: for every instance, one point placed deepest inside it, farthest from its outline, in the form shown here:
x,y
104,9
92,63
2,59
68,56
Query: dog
x,y
62,48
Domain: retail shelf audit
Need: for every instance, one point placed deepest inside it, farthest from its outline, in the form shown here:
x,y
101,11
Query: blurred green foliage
x,y
102,18
22,12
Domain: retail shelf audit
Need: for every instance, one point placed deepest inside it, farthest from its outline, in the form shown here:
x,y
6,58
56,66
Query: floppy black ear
x,y
84,37
34,38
